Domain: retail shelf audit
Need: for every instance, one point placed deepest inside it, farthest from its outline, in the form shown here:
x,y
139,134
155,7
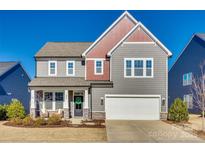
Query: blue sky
x,y
23,33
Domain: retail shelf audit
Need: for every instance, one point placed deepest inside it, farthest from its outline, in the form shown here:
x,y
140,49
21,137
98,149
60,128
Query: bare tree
x,y
198,92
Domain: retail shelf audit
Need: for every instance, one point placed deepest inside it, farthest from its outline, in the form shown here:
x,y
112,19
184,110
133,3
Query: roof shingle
x,y
5,66
63,49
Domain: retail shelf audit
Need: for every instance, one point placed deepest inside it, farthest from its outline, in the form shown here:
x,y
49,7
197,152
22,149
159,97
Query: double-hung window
x,y
70,67
98,67
189,100
52,68
138,67
187,79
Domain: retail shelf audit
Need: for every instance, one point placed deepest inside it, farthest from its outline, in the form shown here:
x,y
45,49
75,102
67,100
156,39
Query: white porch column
x,y
85,105
66,105
33,104
86,100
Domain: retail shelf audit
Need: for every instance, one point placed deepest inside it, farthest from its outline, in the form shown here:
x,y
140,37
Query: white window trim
x,y
188,103
144,68
73,68
49,73
187,82
102,62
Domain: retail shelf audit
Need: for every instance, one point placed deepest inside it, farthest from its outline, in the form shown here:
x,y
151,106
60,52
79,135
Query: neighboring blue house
x,y
187,66
14,83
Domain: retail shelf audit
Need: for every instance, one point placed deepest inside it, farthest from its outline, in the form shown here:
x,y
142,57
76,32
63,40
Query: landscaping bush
x,y
16,121
54,119
40,121
178,111
3,112
16,110
28,121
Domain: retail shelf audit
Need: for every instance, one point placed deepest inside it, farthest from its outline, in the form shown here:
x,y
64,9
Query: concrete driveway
x,y
146,131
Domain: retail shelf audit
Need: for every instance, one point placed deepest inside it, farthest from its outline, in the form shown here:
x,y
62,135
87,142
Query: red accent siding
x,y
139,36
111,39
90,72
101,49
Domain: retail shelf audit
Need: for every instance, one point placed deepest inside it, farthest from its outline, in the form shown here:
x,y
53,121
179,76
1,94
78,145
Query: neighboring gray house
x,y
183,70
14,83
122,75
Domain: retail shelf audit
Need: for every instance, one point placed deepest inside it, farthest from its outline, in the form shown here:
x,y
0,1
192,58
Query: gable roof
x,y
6,66
197,36
139,24
108,29
63,49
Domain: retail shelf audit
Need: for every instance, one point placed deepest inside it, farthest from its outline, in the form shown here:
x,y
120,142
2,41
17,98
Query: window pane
x,y
70,65
148,72
98,63
70,71
128,63
59,105
48,96
138,63
52,71
59,96
49,105
52,65
98,70
148,64
138,72
128,72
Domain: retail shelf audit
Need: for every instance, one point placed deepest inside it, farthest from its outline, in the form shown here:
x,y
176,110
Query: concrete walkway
x,y
146,131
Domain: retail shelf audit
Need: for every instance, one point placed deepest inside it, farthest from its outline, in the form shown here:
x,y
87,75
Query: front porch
x,y
68,102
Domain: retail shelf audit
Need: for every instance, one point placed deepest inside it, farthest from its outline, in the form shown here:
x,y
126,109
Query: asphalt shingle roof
x,y
63,49
6,66
63,82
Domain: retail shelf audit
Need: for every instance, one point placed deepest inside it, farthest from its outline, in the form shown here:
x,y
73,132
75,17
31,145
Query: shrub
x,y
3,112
28,121
40,121
178,111
16,121
54,119
16,109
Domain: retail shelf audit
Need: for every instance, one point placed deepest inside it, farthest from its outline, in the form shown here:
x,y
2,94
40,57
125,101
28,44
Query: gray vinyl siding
x,y
42,69
140,86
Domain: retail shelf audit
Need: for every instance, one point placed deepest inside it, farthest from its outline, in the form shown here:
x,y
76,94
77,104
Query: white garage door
x,y
132,107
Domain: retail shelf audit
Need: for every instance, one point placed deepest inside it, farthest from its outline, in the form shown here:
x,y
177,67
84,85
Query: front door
x,y
78,105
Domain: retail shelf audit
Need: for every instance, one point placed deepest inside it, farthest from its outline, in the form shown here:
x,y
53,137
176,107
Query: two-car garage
x,y
132,107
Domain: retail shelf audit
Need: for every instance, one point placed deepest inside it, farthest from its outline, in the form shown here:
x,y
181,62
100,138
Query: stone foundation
x,y
163,115
85,113
98,115
66,113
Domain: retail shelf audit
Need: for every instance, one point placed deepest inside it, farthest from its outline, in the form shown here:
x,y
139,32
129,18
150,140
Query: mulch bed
x,y
63,124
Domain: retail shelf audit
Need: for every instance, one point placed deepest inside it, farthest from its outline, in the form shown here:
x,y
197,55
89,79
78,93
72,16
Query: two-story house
x,y
184,69
121,75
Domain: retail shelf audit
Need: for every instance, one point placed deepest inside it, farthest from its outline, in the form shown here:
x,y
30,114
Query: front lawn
x,y
62,134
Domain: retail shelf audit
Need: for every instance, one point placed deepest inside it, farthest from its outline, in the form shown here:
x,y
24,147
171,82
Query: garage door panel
x,y
132,108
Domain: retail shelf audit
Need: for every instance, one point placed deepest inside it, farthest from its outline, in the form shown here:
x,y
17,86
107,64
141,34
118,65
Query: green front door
x,y
78,105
